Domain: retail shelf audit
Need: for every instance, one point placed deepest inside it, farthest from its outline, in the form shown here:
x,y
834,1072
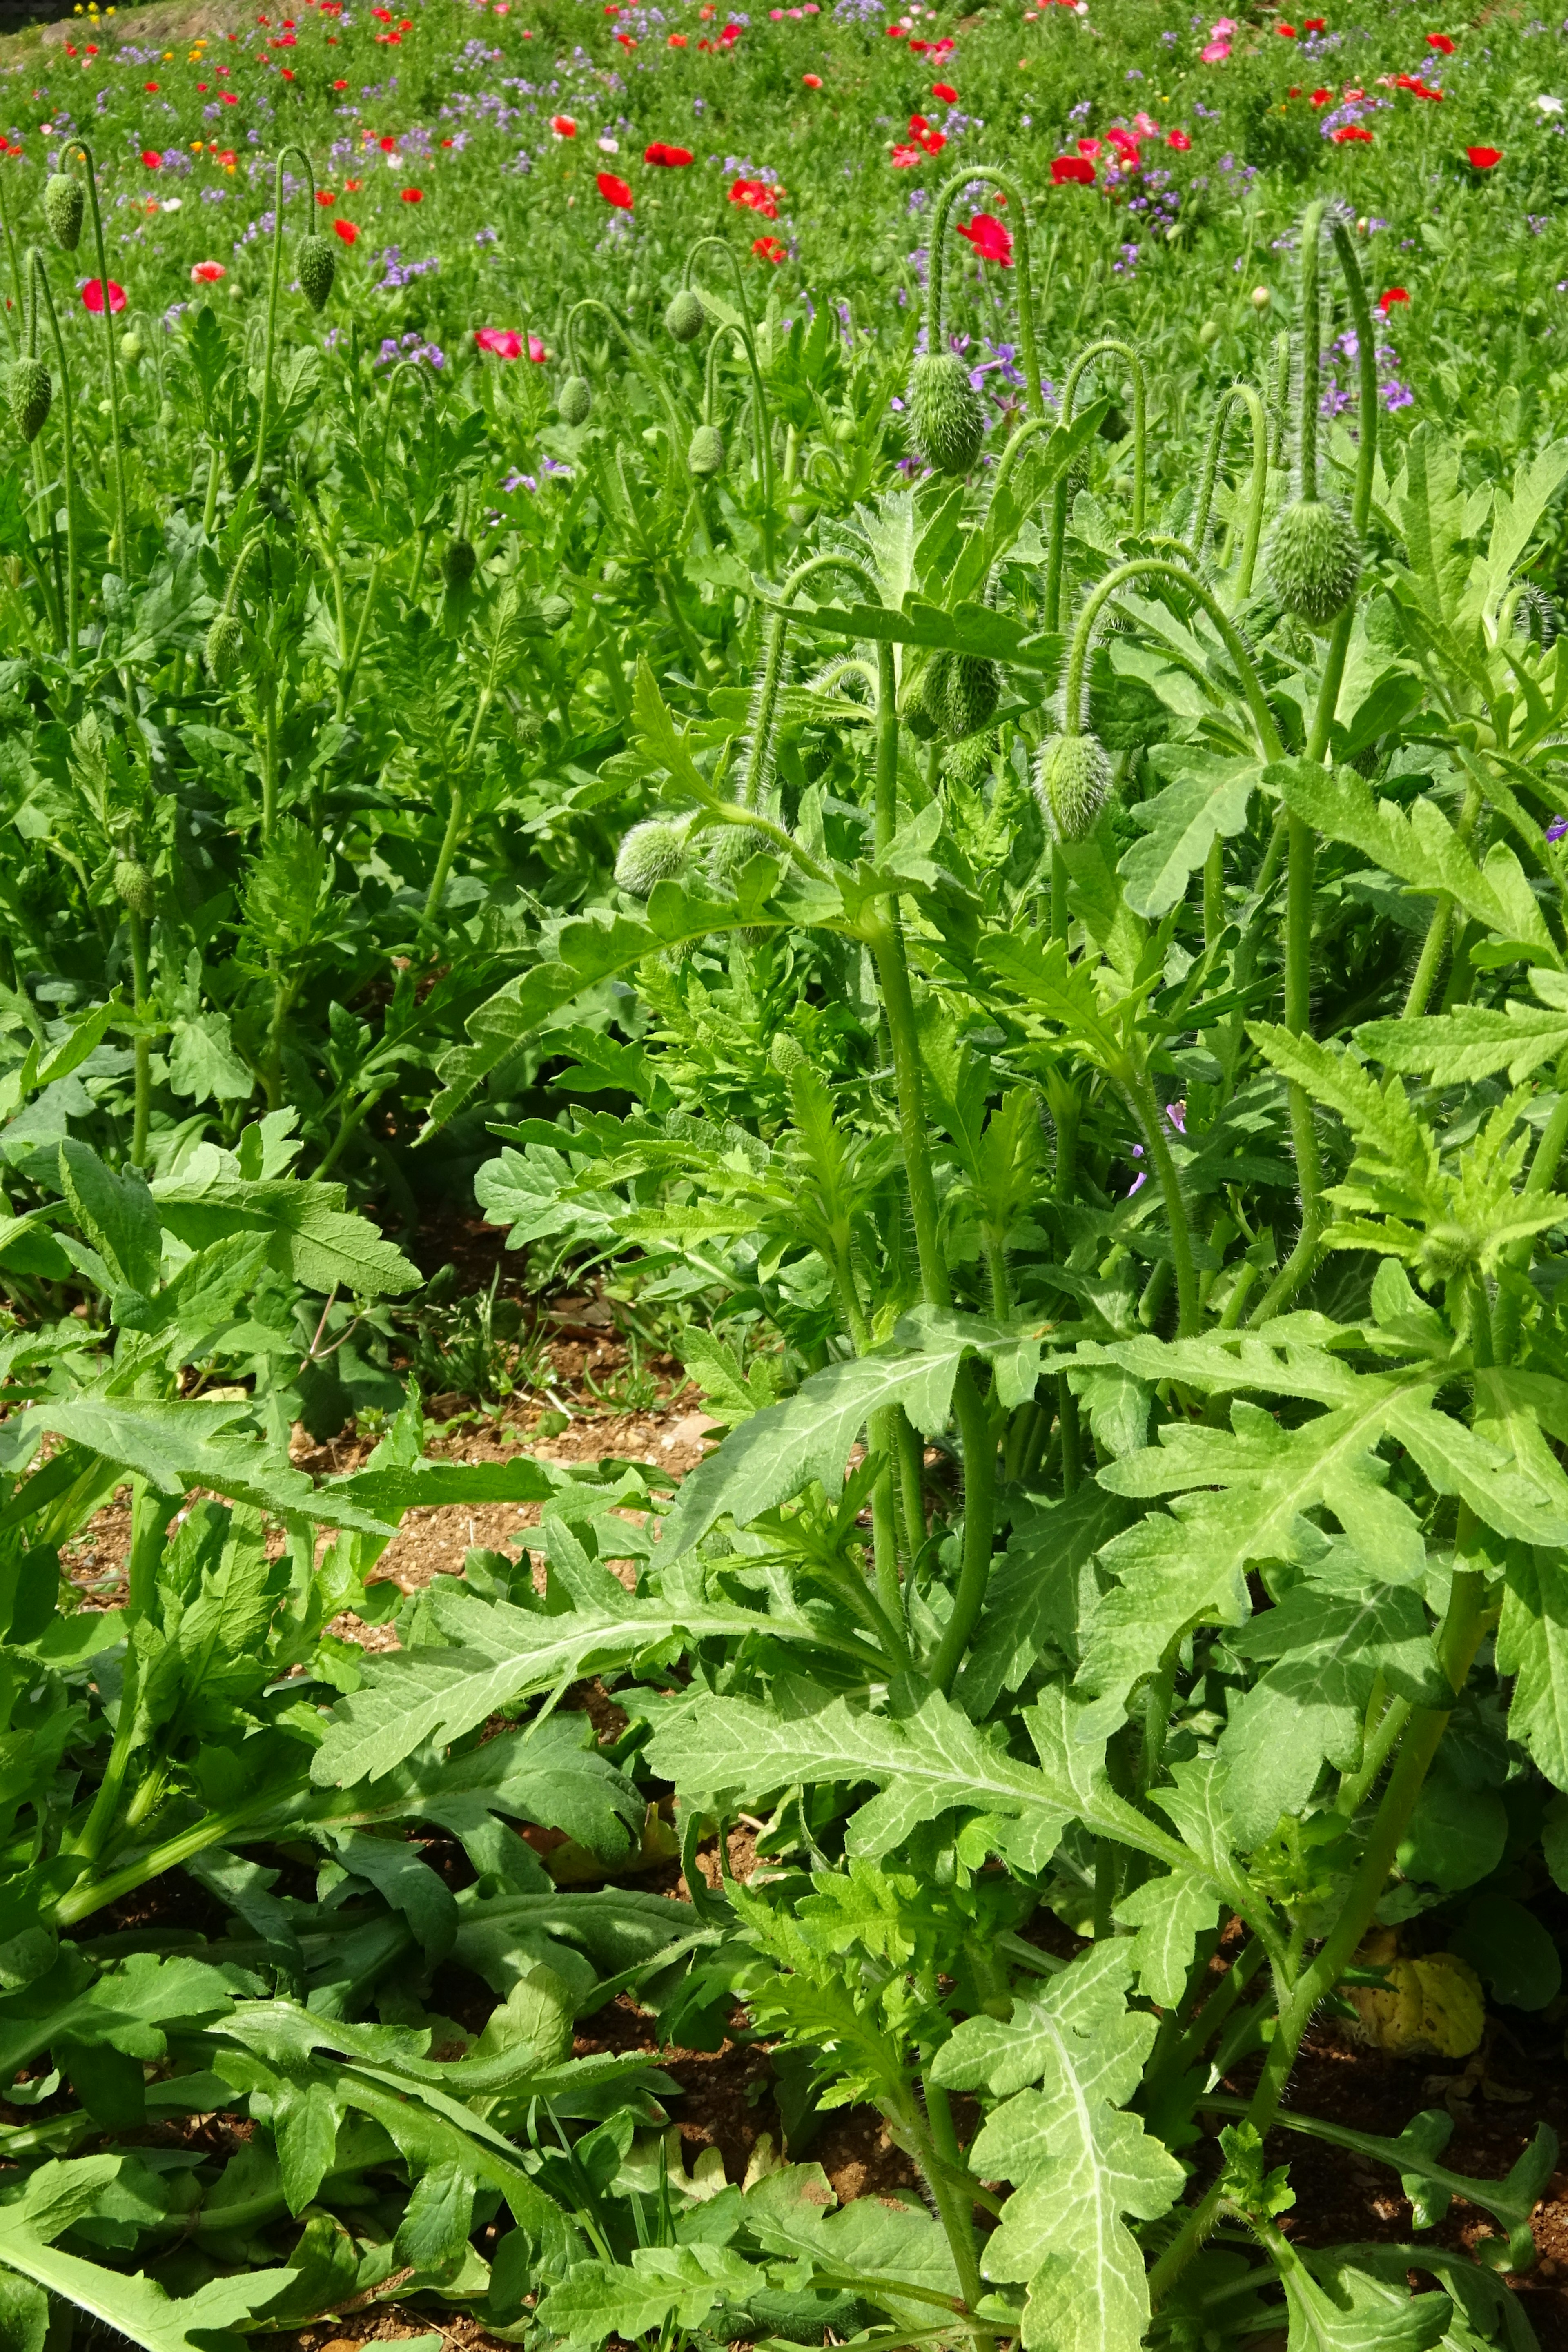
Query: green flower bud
x,y
656,851
969,762
31,389
224,648
684,319
316,266
134,887
735,847
946,411
925,700
459,562
555,611
706,454
1314,560
1208,335
576,402
65,208
131,347
971,687
1072,784
786,1054
166,414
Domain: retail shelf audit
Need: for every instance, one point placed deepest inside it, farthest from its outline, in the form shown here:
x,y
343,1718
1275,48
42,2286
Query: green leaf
x,y
1532,1646
662,2283
434,2231
314,1238
398,1875
1349,2312
1168,1915
879,2247
1080,2162
1206,799
116,1214
1473,1042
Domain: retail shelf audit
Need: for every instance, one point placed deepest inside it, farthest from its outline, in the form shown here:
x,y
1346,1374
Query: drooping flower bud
x,y
1072,784
685,316
654,852
576,400
969,762
316,265
735,848
706,454
1314,560
31,389
224,648
459,562
971,687
134,887
131,347
65,208
945,410
924,703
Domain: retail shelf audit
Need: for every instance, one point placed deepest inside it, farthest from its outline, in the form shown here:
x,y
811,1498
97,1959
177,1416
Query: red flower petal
x,y
614,192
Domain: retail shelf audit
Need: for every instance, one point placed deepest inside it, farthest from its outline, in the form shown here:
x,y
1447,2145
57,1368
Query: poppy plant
x,y
992,238
757,197
207,273
413,196
1385,302
812,81
769,249
614,192
1322,98
154,161
903,156
325,197
1075,168
673,159
676,41
1286,32
346,230
1441,43
564,126
1483,159
1179,140
946,91
92,296
1316,25
1348,134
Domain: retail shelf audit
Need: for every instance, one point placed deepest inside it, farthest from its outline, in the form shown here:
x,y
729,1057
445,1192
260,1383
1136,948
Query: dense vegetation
x,y
924,735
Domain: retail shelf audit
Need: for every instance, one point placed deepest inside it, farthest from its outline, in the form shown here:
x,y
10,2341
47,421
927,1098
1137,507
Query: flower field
x,y
784,1077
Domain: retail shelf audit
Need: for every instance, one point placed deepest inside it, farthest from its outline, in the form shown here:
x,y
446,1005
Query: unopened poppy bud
x,y
576,400
225,647
651,853
166,414
971,689
316,265
459,562
65,207
134,887
555,611
131,347
969,762
31,389
1261,298
734,847
924,702
685,315
1208,335
1314,560
1072,784
945,410
706,454
786,1054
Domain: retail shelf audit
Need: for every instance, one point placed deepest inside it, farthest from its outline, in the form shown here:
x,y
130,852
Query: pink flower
x,y
207,273
92,295
903,156
504,342
564,126
992,238
1145,125
1214,53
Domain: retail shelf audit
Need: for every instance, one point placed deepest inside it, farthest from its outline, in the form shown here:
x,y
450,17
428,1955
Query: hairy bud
x,y
971,687
652,853
134,887
945,410
31,389
317,266
555,611
706,454
969,762
224,648
131,347
925,698
735,847
1208,335
576,402
786,1054
1072,784
685,316
65,208
1314,560
459,562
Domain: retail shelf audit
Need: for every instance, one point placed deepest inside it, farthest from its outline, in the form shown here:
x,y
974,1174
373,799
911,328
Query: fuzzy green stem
x,y
33,264
273,284
1312,345
122,521
141,1046
1141,1100
758,390
1157,567
1247,396
1111,347
1019,216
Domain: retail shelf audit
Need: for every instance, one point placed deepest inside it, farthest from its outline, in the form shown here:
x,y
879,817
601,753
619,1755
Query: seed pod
x,y
971,689
1314,560
576,400
945,410
1072,784
459,562
652,853
555,611
685,316
131,347
786,1054
134,887
31,389
317,266
706,454
65,208
224,648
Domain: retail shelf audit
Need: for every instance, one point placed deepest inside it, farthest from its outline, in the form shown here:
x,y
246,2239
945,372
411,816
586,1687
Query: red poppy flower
x,y
1316,25
345,229
677,41
1090,147
904,156
413,196
1072,167
288,73
757,197
933,141
729,37
626,40
339,85
1349,133
154,161
92,296
1286,32
991,239
614,192
1441,43
1322,98
1179,140
564,126
946,91
228,98
812,81
769,248
896,32
149,86
325,196
353,186
673,159
207,273
1385,302
1484,158
919,48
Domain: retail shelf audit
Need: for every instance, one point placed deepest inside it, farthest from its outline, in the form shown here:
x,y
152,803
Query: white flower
x,y
1548,106
172,203
609,146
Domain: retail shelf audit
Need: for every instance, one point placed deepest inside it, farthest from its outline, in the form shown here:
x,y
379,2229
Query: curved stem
x,y
1156,1142
122,531
33,264
941,217
1111,347
272,288
1247,396
1158,567
412,371
1311,344
764,415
